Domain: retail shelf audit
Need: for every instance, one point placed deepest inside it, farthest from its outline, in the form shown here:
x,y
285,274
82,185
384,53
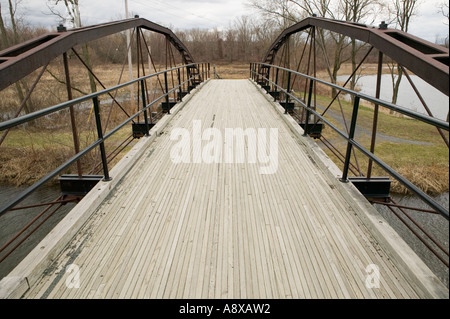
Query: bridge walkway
x,y
225,230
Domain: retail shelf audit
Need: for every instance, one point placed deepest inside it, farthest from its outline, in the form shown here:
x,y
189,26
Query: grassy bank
x,y
413,148
27,155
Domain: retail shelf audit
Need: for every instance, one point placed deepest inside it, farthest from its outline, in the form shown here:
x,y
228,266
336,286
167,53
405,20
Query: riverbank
x,y
27,155
415,149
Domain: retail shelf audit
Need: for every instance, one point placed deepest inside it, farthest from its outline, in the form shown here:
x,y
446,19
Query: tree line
x,y
247,38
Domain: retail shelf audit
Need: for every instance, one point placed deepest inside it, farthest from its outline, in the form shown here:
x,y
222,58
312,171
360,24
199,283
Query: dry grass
x,y
25,158
232,71
29,153
39,148
22,167
432,179
418,152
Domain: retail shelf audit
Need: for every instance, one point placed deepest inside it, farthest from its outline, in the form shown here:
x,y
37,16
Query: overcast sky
x,y
182,14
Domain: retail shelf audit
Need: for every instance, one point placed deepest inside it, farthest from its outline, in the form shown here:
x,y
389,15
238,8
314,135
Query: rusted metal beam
x,y
20,60
427,60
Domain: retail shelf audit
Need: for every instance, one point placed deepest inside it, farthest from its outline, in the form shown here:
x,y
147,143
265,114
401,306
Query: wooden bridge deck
x,y
223,230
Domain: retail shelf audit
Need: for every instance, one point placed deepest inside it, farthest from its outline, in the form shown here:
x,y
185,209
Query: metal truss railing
x,y
259,73
189,76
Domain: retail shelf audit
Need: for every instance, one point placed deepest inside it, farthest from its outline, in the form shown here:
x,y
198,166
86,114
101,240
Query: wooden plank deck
x,y
223,230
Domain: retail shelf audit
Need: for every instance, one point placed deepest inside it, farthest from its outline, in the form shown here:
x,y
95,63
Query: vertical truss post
x,y
375,113
98,122
314,42
76,141
189,80
144,105
259,78
180,89
276,84
167,92
311,85
183,75
351,135
288,90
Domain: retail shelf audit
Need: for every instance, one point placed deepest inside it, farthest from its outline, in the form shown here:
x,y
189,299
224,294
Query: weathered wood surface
x,y
223,230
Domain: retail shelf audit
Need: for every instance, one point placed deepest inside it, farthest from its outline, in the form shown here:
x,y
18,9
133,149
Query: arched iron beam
x,y
427,60
22,59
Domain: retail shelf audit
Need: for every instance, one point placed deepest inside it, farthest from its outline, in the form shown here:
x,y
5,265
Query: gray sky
x,y
182,14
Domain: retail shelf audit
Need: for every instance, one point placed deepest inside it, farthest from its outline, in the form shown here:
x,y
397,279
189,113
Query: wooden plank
x,y
223,230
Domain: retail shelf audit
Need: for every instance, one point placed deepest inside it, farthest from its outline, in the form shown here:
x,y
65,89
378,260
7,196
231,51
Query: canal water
x,y
437,101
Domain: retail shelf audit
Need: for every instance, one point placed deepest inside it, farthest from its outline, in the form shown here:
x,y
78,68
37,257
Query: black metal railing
x,y
260,73
189,76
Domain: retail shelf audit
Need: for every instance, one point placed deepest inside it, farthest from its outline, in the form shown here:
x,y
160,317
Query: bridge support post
x,y
266,79
351,135
275,93
76,141
375,113
100,137
288,90
180,92
167,92
308,106
144,106
189,81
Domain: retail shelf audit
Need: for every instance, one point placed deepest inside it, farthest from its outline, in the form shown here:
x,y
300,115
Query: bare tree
x,y
73,16
404,11
290,11
443,9
282,13
4,32
20,86
356,11
72,11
